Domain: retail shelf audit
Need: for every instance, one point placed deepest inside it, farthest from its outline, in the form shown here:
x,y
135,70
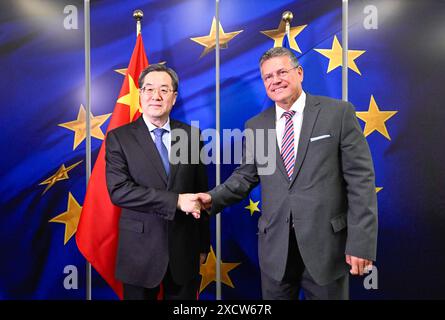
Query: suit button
x,y
287,220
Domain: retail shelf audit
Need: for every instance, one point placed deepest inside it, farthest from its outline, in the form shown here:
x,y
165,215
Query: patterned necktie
x,y
287,144
159,132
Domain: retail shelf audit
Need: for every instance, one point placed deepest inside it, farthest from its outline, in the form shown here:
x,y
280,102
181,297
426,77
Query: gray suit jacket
x,y
331,195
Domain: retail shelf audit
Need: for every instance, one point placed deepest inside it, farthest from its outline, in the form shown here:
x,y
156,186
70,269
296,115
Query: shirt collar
x,y
298,106
151,126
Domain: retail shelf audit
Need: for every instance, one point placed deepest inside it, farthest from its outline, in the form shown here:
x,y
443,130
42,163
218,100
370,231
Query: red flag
x,y
97,232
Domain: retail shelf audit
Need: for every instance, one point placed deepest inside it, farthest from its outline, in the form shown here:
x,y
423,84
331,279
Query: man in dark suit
x,y
319,207
159,242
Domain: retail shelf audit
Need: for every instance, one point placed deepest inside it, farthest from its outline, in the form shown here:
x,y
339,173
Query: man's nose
x,y
156,96
276,79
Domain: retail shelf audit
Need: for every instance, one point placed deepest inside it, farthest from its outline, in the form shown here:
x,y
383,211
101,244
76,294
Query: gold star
x,y
122,71
208,271
377,189
70,218
131,99
253,206
61,174
335,56
209,41
375,119
278,35
79,127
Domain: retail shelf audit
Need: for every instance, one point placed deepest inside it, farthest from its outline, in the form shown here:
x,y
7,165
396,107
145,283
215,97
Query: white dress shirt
x,y
297,119
166,137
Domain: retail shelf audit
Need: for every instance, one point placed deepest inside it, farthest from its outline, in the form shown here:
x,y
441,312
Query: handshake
x,y
194,203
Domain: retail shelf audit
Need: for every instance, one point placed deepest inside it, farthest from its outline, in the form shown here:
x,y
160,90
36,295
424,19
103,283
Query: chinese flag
x,y
97,232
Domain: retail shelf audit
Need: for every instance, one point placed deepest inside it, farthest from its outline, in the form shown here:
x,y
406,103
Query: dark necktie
x,y
287,144
159,132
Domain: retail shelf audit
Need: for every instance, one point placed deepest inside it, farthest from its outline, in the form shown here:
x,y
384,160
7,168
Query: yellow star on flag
x,y
208,271
377,189
61,174
252,207
335,56
278,35
375,119
70,218
209,41
131,99
79,127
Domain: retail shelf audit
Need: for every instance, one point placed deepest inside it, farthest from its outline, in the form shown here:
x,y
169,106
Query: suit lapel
x,y
270,123
148,147
310,114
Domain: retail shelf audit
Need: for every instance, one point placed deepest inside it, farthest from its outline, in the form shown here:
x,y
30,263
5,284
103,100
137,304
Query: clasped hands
x,y
194,203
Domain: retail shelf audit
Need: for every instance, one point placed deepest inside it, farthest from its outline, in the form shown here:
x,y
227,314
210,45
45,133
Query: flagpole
x,y
287,17
344,36
218,155
87,122
138,15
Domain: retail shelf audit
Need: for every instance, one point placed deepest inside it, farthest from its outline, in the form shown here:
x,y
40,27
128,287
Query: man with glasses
x,y
319,208
159,241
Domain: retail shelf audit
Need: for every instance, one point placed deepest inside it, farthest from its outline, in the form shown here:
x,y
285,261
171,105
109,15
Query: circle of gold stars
x,y
375,120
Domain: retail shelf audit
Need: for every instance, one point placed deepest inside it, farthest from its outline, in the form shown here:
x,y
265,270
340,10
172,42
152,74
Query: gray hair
x,y
157,67
279,52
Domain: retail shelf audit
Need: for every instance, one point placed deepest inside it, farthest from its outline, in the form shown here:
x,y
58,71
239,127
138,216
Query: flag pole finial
x,y
138,15
287,17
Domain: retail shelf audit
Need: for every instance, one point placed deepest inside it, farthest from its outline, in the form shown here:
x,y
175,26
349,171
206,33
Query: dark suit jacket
x,y
331,195
152,232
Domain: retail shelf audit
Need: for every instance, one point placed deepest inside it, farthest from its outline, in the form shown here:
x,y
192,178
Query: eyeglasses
x,y
282,73
149,91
